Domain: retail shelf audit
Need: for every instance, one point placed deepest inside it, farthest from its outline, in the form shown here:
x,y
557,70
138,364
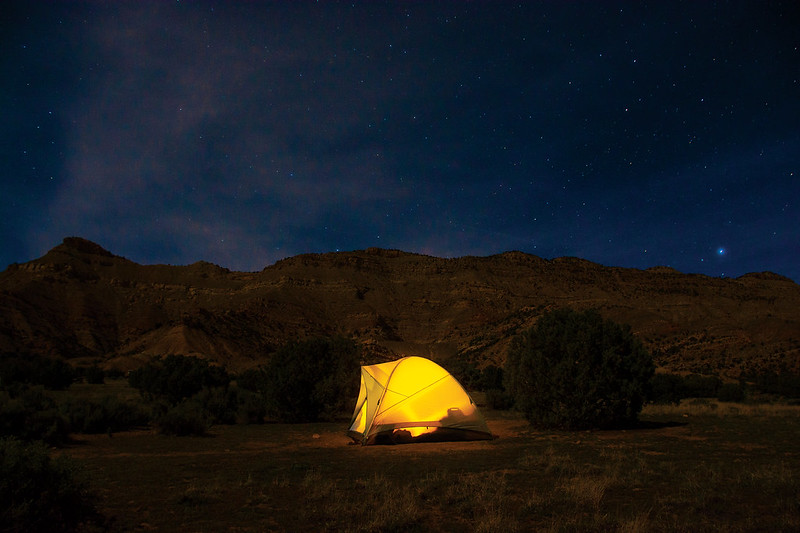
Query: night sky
x,y
631,134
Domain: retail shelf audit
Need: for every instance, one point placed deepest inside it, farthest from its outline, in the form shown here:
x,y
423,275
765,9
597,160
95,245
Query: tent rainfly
x,y
413,400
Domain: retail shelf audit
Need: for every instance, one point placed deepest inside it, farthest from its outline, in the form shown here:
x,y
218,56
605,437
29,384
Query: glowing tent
x,y
413,399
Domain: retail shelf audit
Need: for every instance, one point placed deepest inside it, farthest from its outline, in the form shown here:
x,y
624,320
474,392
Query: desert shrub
x,y
313,379
492,378
38,493
492,381
499,399
252,384
114,373
186,418
466,372
177,377
672,388
666,389
731,392
219,404
698,386
187,395
251,409
784,383
575,370
252,379
94,375
103,415
51,373
231,405
32,415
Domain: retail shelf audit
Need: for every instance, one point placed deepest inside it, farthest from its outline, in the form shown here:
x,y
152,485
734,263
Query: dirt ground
x,y
308,477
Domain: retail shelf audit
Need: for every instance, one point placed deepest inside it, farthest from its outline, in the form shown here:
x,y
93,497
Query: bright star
x,y
722,251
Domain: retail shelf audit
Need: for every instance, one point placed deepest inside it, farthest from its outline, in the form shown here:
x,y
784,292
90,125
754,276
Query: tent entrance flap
x,y
413,399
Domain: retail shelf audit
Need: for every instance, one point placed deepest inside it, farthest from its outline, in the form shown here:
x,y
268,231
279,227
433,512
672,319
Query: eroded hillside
x,y
83,303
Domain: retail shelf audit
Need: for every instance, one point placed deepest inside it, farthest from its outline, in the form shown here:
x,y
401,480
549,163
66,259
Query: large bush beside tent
x,y
575,370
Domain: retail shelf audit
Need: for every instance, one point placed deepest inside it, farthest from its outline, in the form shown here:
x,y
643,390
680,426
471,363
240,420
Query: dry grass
x,y
703,407
477,500
639,523
586,490
728,467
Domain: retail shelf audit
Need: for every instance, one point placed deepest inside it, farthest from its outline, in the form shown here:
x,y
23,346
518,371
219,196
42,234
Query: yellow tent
x,y
413,399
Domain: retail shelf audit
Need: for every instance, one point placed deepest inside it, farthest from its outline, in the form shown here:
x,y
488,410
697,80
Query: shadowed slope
x,y
81,302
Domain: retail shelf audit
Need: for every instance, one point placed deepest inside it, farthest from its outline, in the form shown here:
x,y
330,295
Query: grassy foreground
x,y
697,467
